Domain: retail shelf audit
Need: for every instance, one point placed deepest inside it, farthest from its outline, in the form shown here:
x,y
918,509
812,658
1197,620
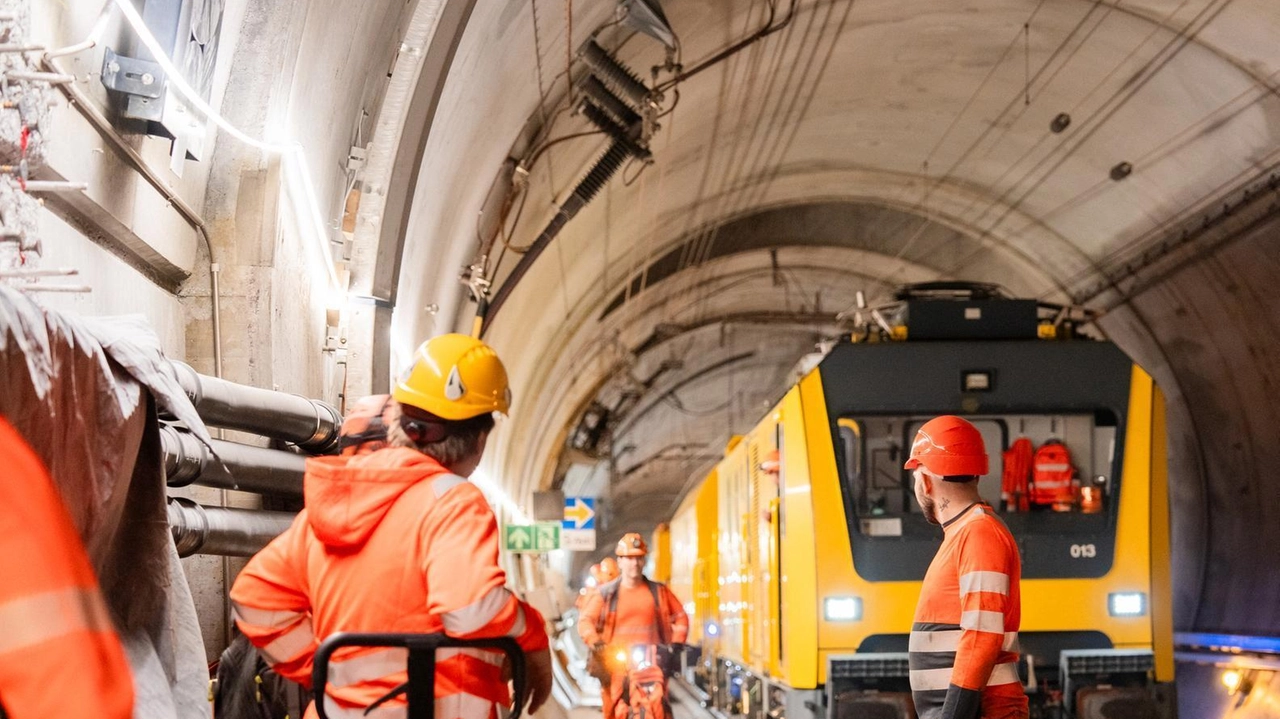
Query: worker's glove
x,y
538,675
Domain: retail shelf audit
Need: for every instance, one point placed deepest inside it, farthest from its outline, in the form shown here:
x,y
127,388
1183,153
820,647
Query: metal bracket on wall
x,y
142,81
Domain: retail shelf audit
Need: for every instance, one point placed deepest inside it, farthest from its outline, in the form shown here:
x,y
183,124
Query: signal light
x,y
1127,604
842,609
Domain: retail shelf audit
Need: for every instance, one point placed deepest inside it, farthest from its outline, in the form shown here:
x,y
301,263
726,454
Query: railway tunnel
x,y
661,216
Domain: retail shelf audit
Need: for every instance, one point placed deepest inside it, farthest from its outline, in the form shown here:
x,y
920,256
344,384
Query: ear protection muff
x,y
421,432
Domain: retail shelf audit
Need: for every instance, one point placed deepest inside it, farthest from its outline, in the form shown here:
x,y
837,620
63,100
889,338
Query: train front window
x,y
1048,472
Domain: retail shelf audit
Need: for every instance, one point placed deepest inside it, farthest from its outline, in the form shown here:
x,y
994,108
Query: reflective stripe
x,y
367,667
387,711
264,618
949,641
983,621
1004,674
997,582
290,644
925,680
473,617
385,662
1052,467
40,617
1011,642
463,706
518,628
444,483
944,641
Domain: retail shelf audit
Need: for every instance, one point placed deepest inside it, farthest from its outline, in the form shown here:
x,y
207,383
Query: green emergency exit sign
x,y
540,537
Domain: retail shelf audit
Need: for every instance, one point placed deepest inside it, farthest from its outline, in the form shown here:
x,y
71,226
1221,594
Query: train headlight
x,y
842,609
1127,604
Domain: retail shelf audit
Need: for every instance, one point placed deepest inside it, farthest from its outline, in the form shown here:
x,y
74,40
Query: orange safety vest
x,y
1052,476
59,653
388,542
1013,483
599,617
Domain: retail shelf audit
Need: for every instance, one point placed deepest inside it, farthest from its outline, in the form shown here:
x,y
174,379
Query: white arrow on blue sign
x,y
579,513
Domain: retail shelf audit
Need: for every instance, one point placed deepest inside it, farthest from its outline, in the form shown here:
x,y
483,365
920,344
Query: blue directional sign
x,y
579,513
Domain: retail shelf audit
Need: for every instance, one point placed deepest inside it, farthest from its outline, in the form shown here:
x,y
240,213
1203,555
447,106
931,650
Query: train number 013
x,y
1084,551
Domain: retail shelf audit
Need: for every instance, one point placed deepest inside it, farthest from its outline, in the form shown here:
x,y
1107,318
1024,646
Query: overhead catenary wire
x,y
772,151
1087,130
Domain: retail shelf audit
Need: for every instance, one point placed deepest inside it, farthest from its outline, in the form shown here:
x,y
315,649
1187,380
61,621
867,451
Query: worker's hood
x,y
348,496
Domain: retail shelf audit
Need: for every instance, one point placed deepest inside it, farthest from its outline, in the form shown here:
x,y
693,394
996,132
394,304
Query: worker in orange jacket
x,y
964,640
628,611
398,540
59,653
602,573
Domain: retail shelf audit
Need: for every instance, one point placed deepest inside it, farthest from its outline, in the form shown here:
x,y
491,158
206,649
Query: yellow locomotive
x,y
802,552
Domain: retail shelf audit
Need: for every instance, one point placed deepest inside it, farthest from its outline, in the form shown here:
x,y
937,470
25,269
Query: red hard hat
x,y
949,447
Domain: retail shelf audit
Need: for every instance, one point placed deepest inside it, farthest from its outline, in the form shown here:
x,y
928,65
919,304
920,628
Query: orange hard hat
x,y
596,575
608,569
364,429
632,545
949,446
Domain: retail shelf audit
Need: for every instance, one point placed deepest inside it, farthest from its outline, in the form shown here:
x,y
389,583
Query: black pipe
x,y
311,424
223,531
229,465
605,168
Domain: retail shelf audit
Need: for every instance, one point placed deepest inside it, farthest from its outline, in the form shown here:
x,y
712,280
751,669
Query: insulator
x,y
609,102
615,75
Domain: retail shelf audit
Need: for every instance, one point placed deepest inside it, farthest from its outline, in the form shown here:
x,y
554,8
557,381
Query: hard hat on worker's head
x,y
632,545
596,575
364,429
608,569
455,377
949,447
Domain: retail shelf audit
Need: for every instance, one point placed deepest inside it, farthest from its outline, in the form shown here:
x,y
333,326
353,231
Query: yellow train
x,y
801,553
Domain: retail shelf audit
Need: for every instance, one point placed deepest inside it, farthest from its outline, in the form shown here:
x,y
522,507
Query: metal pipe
x,y
198,529
53,78
229,465
311,424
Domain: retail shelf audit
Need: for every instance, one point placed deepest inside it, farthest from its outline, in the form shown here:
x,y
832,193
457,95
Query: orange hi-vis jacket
x,y
964,641
633,619
388,542
59,653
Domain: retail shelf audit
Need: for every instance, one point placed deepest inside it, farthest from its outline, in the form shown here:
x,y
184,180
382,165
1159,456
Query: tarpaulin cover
x,y
84,393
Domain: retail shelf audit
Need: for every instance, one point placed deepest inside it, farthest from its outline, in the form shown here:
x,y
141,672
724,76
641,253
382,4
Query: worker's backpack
x,y
246,688
1052,475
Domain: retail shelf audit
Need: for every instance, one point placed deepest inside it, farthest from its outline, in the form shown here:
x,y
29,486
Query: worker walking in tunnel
x,y
397,540
59,652
626,613
602,573
964,639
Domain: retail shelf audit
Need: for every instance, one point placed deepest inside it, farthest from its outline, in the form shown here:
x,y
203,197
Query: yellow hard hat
x,y
455,377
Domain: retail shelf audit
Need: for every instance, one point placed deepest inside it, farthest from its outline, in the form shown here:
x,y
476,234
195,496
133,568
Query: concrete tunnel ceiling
x,y
863,145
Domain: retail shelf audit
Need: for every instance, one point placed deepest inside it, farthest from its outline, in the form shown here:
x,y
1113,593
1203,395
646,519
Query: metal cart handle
x,y
420,689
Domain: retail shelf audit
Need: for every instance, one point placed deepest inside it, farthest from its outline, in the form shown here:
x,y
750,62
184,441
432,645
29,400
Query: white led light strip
x,y
291,154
